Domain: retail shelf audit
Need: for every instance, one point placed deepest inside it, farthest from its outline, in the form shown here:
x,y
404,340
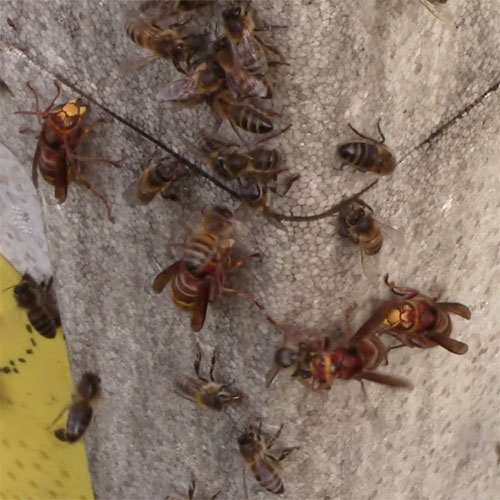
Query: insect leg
x,y
89,186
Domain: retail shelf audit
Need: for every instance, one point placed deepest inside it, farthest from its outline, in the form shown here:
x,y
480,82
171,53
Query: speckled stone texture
x,y
435,86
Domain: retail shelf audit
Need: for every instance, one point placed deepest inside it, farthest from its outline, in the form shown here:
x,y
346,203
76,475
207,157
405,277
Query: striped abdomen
x,y
267,476
369,235
249,118
79,417
149,37
155,179
186,289
368,156
200,252
42,322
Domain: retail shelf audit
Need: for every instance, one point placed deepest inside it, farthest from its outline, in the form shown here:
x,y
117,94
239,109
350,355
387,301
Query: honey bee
x,y
206,79
256,451
317,363
56,154
80,412
199,276
259,198
208,394
357,223
249,50
41,304
438,8
231,161
165,43
191,491
242,114
420,321
156,178
368,155
240,82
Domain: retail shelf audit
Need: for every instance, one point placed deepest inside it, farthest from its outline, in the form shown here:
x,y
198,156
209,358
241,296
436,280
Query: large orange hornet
x,y
56,155
318,363
419,321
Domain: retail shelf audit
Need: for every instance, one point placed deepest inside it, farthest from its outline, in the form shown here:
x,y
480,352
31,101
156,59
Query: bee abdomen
x,y
271,482
199,252
361,154
79,419
254,121
42,322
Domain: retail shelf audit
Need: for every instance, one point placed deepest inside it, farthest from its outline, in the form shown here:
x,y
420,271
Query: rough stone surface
x,y
436,88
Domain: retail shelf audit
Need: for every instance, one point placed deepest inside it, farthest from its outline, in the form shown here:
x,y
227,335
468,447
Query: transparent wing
x,y
393,236
243,84
180,90
131,195
371,267
250,54
439,10
134,63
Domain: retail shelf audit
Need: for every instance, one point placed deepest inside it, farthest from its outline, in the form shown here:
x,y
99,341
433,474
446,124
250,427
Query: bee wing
x,y
456,308
439,10
249,50
394,236
385,379
200,307
161,281
452,345
241,83
135,63
187,387
180,90
271,374
131,195
34,166
61,184
267,475
371,267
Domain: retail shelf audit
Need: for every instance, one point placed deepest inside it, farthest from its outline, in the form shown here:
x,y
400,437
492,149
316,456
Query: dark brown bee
x,y
56,154
368,155
199,276
438,8
157,178
242,115
256,451
208,394
420,321
231,161
206,79
41,304
165,43
191,491
249,50
240,82
317,363
80,412
357,223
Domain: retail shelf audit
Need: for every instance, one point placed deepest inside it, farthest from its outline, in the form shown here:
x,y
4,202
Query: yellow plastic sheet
x,y
35,385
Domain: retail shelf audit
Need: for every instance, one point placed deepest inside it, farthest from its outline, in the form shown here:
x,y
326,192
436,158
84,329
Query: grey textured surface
x,y
436,88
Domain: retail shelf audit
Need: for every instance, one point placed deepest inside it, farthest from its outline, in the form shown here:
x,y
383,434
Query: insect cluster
x,y
231,72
